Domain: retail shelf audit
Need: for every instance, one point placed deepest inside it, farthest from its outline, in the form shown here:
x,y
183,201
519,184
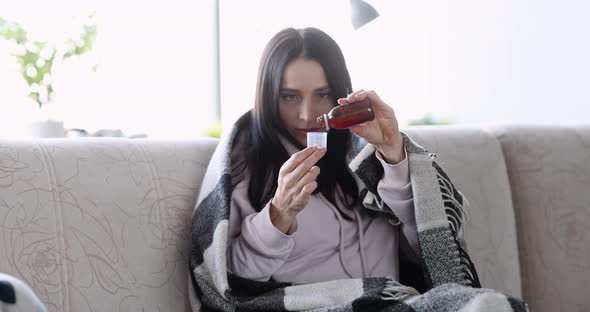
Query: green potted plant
x,y
428,120
37,60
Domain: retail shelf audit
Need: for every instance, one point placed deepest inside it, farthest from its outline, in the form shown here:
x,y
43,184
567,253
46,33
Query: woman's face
x,y
304,95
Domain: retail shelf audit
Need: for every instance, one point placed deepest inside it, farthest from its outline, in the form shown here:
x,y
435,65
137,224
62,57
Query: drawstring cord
x,y
360,227
340,246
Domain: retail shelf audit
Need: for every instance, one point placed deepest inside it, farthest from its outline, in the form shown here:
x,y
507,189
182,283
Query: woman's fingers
x,y
306,164
307,190
372,95
360,95
349,98
310,176
296,159
297,178
377,102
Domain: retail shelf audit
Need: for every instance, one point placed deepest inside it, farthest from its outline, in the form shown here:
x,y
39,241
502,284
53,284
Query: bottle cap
x,y
322,121
317,138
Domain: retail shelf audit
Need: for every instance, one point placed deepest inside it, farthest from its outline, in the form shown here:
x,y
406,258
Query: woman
x,y
279,226
300,227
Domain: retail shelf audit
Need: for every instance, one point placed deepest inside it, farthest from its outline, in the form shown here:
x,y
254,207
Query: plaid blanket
x,y
448,276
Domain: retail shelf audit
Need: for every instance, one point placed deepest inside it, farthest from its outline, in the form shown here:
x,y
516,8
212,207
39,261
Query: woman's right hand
x,y
296,182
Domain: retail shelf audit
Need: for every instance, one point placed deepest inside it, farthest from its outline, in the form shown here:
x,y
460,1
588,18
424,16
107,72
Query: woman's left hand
x,y
383,131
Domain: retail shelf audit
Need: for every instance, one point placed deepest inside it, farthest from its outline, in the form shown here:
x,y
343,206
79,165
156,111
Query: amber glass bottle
x,y
346,116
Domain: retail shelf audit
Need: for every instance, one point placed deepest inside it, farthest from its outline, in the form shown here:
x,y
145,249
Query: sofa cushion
x,y
100,224
474,161
549,170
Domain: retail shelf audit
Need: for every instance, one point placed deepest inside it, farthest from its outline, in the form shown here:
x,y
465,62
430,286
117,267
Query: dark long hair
x,y
260,130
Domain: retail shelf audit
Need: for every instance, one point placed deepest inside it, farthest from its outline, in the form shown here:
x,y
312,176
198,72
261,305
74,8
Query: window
x,y
153,69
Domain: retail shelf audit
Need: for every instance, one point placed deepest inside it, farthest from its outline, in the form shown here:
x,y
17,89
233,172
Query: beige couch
x,y
104,224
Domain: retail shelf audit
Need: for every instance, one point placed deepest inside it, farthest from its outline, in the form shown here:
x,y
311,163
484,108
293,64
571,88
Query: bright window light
x,y
148,73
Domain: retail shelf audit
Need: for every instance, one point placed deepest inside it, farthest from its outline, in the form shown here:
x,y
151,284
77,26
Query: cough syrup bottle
x,y
346,116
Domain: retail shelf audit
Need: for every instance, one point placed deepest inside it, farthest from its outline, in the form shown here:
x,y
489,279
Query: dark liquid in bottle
x,y
352,114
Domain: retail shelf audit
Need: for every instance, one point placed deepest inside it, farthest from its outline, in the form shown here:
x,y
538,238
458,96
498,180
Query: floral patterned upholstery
x,y
103,224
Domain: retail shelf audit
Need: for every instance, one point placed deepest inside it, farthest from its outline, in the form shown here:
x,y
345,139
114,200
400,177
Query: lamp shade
x,y
362,13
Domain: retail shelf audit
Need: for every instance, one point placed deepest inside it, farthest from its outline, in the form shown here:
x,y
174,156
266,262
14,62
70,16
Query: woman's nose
x,y
308,110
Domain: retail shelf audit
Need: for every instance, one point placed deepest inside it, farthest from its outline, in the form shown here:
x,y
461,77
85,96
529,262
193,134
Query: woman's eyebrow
x,y
289,90
324,88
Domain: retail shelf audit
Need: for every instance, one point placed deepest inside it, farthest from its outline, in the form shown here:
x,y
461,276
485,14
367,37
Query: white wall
x,y
514,61
466,61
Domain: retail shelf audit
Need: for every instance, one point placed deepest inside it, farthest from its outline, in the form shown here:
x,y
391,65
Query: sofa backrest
x,y
105,223
549,172
475,163
100,224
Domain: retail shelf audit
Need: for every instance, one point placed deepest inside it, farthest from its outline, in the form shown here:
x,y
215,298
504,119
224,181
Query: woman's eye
x,y
325,95
289,97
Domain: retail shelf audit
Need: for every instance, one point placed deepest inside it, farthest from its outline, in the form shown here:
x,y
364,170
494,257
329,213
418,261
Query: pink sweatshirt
x,y
322,245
